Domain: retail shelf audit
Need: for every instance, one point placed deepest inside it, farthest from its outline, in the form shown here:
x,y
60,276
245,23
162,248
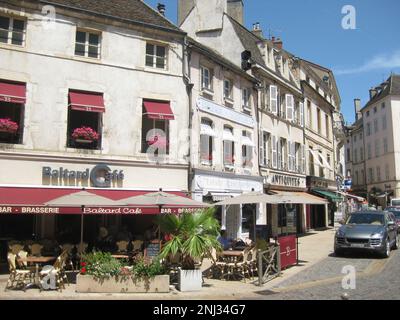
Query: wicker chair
x,y
67,248
36,249
17,276
122,246
15,248
57,270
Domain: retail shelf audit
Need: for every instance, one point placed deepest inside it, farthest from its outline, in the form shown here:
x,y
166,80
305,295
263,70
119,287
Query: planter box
x,y
190,280
88,284
83,141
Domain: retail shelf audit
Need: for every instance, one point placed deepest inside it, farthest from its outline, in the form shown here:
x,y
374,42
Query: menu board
x,y
152,249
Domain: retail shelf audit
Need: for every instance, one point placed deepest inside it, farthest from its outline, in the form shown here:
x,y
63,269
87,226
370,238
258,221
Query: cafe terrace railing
x,y
269,264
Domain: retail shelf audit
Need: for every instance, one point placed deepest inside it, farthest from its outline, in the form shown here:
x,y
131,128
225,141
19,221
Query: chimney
x,y
184,7
161,9
372,93
357,108
257,30
278,43
235,10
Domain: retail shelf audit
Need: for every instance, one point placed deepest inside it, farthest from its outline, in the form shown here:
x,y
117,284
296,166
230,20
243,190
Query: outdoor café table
x,y
37,261
231,257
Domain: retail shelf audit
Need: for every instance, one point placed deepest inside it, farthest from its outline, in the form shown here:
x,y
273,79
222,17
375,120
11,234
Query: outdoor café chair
x,y
23,255
57,270
68,247
137,245
122,246
36,249
16,275
243,267
15,248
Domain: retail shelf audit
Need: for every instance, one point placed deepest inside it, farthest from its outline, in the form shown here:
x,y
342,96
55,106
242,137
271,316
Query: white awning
x,y
222,196
207,130
228,136
246,141
361,199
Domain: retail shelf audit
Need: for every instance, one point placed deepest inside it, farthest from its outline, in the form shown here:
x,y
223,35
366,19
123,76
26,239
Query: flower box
x,y
8,126
122,284
83,141
85,135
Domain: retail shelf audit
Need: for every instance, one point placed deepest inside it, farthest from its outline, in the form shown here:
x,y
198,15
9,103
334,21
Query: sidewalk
x,y
313,248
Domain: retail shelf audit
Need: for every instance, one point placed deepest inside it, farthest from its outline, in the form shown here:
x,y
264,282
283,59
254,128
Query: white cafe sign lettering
x,y
101,175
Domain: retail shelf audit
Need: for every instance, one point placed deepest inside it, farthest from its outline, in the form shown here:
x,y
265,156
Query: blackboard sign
x,y
152,249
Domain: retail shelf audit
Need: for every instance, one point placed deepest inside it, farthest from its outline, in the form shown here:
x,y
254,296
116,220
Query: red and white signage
x,y
288,245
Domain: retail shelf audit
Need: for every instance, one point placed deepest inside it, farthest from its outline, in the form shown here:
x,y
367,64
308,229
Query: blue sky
x,y
312,29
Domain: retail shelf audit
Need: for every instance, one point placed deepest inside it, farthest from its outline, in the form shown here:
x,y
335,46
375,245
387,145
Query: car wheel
x,y
386,252
396,242
338,253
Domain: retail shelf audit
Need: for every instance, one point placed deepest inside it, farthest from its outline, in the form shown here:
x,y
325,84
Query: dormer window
x,y
12,31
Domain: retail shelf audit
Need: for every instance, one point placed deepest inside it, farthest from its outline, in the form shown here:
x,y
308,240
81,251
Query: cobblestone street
x,y
376,279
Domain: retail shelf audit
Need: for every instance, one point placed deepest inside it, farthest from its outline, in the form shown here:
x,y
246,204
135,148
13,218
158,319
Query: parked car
x,y
374,231
396,213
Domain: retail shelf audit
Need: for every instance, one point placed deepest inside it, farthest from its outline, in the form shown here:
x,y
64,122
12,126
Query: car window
x,y
366,218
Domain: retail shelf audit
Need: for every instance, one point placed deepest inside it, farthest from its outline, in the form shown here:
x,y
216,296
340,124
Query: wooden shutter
x,y
262,158
289,106
279,147
303,158
274,153
302,114
273,99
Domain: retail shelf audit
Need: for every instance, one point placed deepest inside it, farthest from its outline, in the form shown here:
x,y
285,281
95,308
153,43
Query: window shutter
x,y
303,158
302,114
289,106
274,152
279,146
273,99
262,158
204,148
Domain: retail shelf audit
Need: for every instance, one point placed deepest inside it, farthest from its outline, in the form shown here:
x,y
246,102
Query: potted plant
x,y
85,135
8,126
192,236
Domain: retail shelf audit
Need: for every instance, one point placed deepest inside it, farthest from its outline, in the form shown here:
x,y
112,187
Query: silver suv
x,y
374,231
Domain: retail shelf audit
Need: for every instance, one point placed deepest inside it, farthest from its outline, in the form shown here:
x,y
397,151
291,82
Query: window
x,y
360,135
282,216
274,149
378,174
282,154
367,113
321,167
87,44
327,126
376,125
206,79
229,148
375,109
319,120
362,178
265,148
317,88
387,172
361,154
348,155
307,79
268,54
371,175
283,65
369,152
383,105
246,96
355,155
12,112
377,148
206,143
311,163
291,156
227,89
384,123
368,129
247,150
385,145
156,56
301,109
12,31
309,114
355,138
88,118
356,178
155,129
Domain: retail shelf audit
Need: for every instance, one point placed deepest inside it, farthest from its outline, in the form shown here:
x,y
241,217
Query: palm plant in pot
x,y
192,237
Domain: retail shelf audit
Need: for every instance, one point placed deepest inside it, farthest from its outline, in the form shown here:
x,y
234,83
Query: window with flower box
x,y
12,30
12,102
85,120
88,44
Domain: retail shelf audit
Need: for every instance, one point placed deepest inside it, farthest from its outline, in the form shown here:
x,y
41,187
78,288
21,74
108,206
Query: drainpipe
x,y
189,87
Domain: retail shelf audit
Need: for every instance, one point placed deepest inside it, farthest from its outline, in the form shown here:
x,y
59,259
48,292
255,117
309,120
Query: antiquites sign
x,y
101,176
287,181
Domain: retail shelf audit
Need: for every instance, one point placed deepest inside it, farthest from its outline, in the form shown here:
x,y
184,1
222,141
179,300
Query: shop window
x,y
87,44
12,31
282,217
156,56
11,122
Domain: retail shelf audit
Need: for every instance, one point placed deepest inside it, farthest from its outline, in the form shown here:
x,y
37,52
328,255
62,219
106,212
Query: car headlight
x,y
340,233
377,234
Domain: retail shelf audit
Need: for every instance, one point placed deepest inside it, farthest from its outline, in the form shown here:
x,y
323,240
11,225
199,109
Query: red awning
x,y
158,110
92,102
14,200
13,92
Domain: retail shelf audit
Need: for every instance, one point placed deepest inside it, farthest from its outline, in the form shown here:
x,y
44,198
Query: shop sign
x,y
101,176
287,181
288,250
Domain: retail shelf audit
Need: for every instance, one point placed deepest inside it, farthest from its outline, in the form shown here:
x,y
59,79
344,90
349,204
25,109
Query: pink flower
x,y
85,133
8,125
